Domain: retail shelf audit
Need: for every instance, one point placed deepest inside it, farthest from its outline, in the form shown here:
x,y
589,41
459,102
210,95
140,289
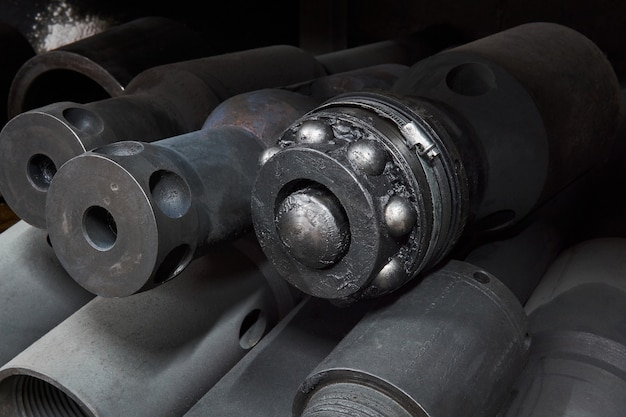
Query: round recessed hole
x,y
41,170
35,397
99,228
127,148
83,120
173,264
170,193
471,79
252,329
481,277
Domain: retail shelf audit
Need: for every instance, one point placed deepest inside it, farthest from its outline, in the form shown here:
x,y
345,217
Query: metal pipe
x,y
452,345
36,293
185,193
160,102
577,363
101,65
155,353
286,356
473,138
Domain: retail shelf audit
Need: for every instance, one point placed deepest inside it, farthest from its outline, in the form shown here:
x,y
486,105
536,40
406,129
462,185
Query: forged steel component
x,y
577,363
370,189
15,50
100,66
452,345
155,353
129,216
262,384
161,102
36,293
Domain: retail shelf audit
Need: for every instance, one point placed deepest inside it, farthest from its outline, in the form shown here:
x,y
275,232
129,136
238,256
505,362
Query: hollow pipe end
x,y
102,226
33,146
62,66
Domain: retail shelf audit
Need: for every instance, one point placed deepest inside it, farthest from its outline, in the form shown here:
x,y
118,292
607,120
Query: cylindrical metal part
x,y
546,88
406,174
155,353
186,193
571,373
404,50
584,290
577,363
129,216
285,357
452,345
100,66
161,102
36,293
15,50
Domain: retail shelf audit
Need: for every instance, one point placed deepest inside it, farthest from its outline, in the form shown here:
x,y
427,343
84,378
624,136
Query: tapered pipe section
x,y
472,137
577,363
36,293
15,50
101,66
161,102
152,354
285,357
452,345
137,213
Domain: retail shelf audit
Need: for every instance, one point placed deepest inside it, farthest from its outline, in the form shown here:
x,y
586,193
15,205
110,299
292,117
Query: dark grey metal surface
x,y
265,381
186,193
155,353
463,142
577,364
36,293
452,345
101,65
161,102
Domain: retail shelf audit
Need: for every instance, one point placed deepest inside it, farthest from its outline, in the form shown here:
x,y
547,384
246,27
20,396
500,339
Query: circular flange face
x,y
345,274
102,227
33,146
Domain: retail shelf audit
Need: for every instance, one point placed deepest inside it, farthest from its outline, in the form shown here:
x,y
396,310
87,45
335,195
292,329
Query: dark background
x,y
324,25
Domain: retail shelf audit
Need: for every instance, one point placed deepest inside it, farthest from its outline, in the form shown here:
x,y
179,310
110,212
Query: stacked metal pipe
x,y
577,363
350,235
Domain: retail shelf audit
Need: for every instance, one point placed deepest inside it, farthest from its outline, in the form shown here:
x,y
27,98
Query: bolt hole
x,y
99,228
252,329
41,170
83,120
173,264
471,79
481,277
170,193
